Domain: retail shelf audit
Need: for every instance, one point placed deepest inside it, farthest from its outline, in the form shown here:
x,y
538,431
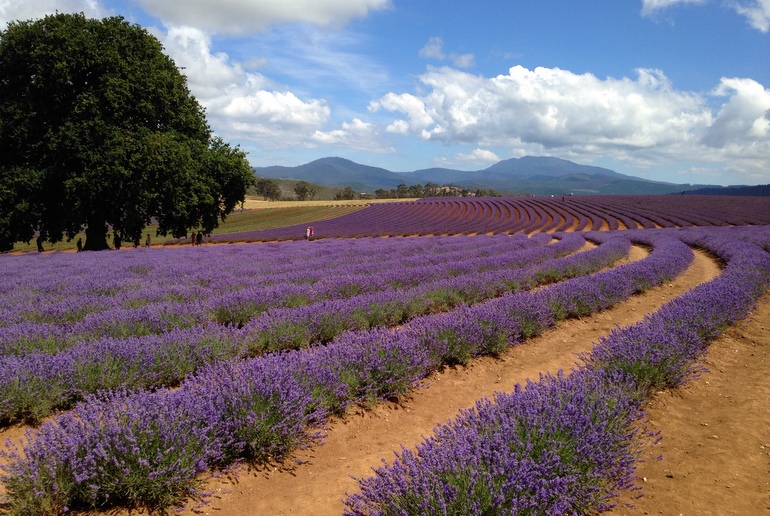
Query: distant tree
x,y
346,193
431,190
415,191
483,192
98,129
402,191
268,189
304,191
381,193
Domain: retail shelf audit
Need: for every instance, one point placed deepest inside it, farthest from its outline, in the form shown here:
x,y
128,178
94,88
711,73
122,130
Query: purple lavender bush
x,y
563,445
664,349
558,446
262,408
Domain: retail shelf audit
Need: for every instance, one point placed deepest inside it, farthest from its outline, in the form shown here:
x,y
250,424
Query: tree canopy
x,y
304,191
98,129
268,189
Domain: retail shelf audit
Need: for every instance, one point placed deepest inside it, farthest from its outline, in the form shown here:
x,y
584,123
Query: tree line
x,y
270,190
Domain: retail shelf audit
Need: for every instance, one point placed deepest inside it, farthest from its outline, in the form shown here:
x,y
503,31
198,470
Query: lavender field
x,y
142,370
508,215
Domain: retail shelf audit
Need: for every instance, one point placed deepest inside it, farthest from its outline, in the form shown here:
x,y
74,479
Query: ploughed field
x,y
136,375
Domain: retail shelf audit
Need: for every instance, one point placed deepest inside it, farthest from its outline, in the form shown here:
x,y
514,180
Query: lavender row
x,y
559,446
490,327
109,451
157,308
34,385
663,350
322,322
433,216
43,287
400,281
563,445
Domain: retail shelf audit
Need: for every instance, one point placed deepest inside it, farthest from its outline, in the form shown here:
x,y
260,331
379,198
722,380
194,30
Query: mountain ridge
x,y
537,175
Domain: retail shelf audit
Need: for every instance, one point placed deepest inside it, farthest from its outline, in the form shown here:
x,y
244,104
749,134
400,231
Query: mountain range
x,y
535,175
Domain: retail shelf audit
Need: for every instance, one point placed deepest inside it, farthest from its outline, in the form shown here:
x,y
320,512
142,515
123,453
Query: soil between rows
x,y
315,481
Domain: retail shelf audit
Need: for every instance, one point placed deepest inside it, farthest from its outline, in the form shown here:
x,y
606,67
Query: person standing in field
x,y
199,238
80,244
192,238
147,242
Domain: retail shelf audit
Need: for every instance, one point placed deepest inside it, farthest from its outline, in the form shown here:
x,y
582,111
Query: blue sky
x,y
669,90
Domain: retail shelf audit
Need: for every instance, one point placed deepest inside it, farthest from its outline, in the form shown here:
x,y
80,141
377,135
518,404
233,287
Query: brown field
x,y
256,214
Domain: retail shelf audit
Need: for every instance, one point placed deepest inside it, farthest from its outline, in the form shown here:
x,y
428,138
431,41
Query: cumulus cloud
x,y
552,107
741,129
241,103
241,16
643,120
11,10
757,12
247,106
355,134
434,49
412,106
479,156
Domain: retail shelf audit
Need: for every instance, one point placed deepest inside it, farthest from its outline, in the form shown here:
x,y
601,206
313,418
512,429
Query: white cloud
x,y
245,105
643,120
463,60
411,105
434,49
741,130
651,6
11,10
240,104
479,156
356,134
244,16
757,12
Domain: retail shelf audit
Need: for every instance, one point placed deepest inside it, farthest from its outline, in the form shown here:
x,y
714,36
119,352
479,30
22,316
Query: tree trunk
x,y
96,237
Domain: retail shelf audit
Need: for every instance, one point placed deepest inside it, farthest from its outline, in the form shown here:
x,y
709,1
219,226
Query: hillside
x,y
526,175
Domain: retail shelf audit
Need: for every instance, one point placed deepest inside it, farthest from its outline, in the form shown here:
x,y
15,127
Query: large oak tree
x,y
98,129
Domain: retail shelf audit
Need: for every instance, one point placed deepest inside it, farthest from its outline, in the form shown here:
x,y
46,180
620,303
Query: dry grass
x,y
257,214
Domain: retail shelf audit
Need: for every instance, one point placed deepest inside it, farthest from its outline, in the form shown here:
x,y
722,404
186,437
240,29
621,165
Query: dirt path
x,y
716,445
358,442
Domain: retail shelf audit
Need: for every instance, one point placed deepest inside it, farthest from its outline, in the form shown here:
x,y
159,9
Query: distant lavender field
x,y
508,215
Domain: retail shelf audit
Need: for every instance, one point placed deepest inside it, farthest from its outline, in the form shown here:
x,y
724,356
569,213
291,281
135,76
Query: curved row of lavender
x,y
149,447
563,445
492,215
47,366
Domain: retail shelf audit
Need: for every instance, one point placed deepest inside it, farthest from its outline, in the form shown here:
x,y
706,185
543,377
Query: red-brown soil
x,y
715,448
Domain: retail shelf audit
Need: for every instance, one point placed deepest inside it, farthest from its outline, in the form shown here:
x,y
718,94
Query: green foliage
x,y
346,194
304,191
98,129
268,189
